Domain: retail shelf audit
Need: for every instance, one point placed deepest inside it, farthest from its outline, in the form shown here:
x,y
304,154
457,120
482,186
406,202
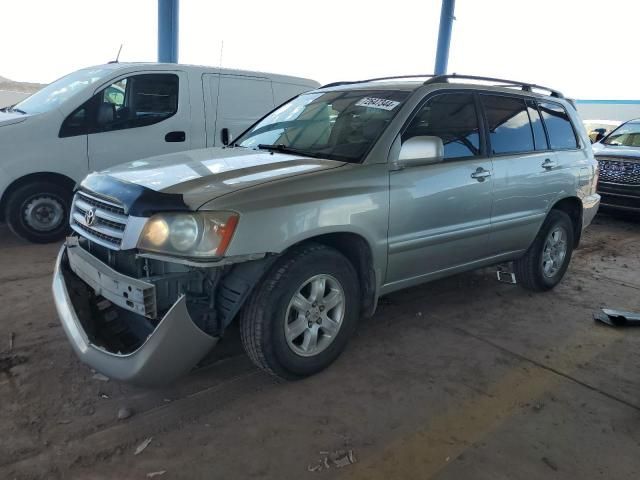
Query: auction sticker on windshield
x,y
381,103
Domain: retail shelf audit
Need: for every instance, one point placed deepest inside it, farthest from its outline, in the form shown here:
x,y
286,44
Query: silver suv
x,y
337,197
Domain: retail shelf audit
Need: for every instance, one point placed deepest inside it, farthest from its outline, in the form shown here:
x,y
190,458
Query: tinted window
x,y
559,129
539,137
454,119
508,122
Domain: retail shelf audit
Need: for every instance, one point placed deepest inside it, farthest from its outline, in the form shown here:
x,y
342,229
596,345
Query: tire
x,y
39,212
269,312
535,270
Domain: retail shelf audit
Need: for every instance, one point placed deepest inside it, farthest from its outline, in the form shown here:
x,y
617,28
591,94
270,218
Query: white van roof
x,y
125,66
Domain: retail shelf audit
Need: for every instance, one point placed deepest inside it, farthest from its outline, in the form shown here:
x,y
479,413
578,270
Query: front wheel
x,y
548,257
39,212
300,317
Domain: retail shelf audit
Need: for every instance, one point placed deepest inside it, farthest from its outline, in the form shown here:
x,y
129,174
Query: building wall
x,y
621,110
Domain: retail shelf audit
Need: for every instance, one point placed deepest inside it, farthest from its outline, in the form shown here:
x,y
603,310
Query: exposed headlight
x,y
201,234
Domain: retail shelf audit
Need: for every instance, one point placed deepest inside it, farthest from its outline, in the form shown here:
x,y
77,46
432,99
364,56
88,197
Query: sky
x,y
563,44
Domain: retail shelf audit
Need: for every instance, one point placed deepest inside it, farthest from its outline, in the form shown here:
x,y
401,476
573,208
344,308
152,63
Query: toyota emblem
x,y
90,217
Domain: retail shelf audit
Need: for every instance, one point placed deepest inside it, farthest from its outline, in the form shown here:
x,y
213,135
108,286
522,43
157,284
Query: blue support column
x,y
168,31
444,36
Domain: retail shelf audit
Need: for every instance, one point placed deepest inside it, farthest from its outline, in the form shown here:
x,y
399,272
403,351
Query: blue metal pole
x,y
168,30
444,36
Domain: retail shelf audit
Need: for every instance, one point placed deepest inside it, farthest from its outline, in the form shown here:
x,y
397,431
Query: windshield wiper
x,y
14,109
284,149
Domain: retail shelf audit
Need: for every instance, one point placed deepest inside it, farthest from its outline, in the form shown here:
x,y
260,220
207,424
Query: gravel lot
x,y
458,379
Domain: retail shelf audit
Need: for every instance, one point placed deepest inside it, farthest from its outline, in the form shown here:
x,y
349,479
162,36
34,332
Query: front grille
x,y
618,170
98,220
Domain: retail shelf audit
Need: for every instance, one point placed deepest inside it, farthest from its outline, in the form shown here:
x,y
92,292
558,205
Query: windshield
x,y
341,125
59,91
626,135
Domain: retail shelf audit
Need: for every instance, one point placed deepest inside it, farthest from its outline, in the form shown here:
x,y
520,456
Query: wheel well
x,y
358,252
572,206
55,178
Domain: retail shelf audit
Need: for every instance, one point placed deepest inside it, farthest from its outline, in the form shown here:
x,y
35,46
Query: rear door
x,y
440,214
528,175
241,101
139,116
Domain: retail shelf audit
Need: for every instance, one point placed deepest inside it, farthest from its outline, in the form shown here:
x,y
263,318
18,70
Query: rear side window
x,y
559,128
453,118
508,121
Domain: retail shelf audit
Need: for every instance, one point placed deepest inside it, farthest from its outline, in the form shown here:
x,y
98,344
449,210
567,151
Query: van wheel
x,y
547,259
39,212
301,315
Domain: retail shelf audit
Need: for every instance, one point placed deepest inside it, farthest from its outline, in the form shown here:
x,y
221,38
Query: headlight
x,y
201,234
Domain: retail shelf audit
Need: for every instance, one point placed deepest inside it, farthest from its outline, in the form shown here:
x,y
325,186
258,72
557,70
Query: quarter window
x,y
508,121
559,128
453,118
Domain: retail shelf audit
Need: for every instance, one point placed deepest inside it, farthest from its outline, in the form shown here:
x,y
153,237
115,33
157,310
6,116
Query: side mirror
x,y
225,136
421,150
105,114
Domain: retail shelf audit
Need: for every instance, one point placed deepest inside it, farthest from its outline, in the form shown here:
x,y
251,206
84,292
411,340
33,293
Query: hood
x,y
202,175
600,149
11,118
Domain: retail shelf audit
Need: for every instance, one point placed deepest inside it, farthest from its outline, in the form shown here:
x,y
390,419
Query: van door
x,y
527,175
241,101
139,116
440,214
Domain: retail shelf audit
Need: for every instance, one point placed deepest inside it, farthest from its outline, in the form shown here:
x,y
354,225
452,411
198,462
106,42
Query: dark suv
x,y
618,155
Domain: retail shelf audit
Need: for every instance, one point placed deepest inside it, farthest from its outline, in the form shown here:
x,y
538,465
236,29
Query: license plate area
x,y
129,293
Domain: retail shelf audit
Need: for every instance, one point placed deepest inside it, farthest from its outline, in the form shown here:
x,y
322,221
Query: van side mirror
x,y
225,136
421,150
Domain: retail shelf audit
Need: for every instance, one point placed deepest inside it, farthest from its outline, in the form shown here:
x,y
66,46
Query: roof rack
x,y
527,87
377,79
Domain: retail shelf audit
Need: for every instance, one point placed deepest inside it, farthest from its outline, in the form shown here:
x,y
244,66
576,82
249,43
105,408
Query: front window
x,y
627,135
56,93
340,125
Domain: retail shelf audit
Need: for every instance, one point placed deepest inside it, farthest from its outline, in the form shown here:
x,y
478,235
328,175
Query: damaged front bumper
x,y
169,348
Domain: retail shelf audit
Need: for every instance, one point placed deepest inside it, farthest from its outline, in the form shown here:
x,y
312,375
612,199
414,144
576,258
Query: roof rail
x,y
377,79
527,87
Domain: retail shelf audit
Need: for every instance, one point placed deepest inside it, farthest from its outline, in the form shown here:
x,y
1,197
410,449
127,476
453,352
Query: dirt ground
x,y
464,378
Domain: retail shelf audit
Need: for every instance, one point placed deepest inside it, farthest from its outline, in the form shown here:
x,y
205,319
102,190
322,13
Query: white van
x,y
109,114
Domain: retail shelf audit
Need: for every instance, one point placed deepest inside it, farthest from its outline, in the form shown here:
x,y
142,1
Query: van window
x,y
453,118
539,137
135,101
559,128
508,122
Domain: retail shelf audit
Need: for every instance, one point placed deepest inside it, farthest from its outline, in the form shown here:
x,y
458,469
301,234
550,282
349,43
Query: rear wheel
x,y
39,212
548,257
300,317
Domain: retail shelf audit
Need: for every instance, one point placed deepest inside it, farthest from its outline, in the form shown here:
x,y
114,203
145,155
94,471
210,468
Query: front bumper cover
x,y
173,348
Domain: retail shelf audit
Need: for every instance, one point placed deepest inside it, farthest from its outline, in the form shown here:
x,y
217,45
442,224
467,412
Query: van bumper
x,y
173,348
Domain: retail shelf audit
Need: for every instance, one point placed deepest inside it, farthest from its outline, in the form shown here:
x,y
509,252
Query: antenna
x,y
221,52
117,56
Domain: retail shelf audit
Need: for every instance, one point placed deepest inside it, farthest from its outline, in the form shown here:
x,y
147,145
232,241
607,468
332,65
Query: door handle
x,y
175,137
548,164
480,174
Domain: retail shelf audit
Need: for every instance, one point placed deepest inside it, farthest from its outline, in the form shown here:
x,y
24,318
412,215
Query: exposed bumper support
x,y
171,350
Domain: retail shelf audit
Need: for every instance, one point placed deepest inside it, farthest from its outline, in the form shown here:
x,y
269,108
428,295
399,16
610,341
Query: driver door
x,y
139,116
440,214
